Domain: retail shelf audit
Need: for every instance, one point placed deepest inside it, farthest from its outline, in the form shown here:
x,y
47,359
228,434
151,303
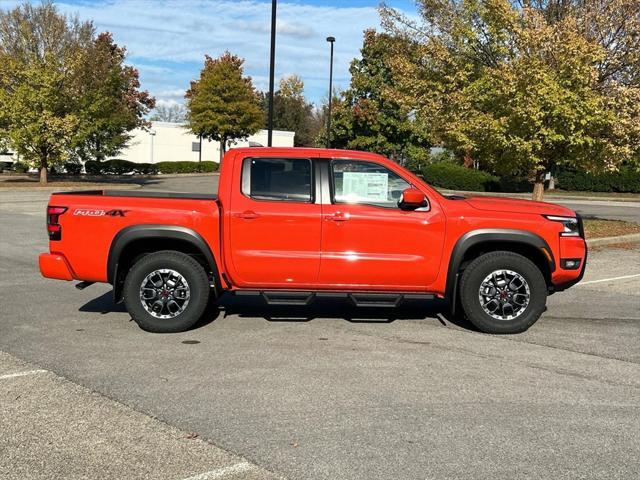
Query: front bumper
x,y
570,248
54,265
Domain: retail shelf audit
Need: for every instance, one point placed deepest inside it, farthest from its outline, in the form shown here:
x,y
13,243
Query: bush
x,y
92,167
118,167
72,168
187,167
626,180
20,167
146,169
455,177
124,167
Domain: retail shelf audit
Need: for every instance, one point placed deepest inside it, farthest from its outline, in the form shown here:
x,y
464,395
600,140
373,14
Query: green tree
x,y
368,116
62,88
517,88
223,105
291,110
108,101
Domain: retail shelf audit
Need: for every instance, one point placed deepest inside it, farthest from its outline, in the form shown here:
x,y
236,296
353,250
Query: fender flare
x,y
489,235
138,232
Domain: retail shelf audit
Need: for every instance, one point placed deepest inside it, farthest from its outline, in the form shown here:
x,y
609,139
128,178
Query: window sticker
x,y
364,186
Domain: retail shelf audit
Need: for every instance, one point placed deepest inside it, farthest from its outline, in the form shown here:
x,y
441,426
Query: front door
x,y
275,224
368,242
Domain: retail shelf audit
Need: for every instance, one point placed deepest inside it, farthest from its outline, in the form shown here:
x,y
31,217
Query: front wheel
x,y
166,292
503,292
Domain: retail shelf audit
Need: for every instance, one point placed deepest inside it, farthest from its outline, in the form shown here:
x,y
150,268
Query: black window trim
x,y
332,186
245,180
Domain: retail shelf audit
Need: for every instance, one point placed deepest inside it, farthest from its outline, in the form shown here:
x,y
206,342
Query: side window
x,y
366,182
281,179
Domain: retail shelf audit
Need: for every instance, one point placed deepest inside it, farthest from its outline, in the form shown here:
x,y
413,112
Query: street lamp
x,y
152,133
331,40
272,62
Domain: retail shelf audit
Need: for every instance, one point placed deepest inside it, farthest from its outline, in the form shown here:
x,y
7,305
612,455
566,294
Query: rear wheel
x,y
166,292
503,292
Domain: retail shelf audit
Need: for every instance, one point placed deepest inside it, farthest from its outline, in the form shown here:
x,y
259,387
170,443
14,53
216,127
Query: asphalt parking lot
x,y
326,392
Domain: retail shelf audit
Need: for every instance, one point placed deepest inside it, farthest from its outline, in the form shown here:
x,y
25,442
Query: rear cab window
x,y
278,179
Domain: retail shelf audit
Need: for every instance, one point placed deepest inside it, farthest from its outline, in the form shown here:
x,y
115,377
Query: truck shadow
x,y
256,307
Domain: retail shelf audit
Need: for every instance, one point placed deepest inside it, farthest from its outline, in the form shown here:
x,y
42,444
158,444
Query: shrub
x,y
187,167
124,167
20,167
626,180
146,168
455,177
93,167
118,167
73,168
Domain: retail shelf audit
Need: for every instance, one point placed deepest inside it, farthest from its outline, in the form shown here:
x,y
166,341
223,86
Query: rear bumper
x,y
54,265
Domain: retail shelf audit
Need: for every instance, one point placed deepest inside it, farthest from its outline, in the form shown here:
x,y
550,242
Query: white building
x,y
170,142
167,142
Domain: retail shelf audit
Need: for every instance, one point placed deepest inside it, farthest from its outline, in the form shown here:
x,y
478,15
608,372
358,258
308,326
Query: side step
x,y
359,299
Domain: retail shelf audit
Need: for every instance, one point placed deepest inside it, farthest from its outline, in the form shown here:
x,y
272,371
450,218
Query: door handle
x,y
247,215
338,217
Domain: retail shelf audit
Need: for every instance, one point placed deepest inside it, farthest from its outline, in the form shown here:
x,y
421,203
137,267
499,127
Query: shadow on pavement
x,y
249,307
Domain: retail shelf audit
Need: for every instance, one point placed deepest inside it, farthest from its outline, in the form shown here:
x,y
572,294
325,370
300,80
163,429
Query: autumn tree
x,y
222,105
292,111
368,116
520,88
108,101
63,91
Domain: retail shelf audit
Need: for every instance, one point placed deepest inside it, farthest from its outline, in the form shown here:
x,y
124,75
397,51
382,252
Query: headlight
x,y
570,224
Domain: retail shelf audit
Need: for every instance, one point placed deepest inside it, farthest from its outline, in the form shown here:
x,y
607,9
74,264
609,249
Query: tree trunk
x,y
552,183
223,148
43,170
538,187
467,159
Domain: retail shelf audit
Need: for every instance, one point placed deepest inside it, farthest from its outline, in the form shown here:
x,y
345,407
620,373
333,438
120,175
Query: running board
x,y
359,299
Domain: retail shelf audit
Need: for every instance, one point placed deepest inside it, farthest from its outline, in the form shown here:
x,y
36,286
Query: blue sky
x,y
167,39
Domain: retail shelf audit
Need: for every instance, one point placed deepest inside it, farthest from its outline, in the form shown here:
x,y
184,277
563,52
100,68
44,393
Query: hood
x,y
512,205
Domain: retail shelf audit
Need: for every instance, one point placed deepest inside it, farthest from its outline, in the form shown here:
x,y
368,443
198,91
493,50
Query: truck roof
x,y
307,151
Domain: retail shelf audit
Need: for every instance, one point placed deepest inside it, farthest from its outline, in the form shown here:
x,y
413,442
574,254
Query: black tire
x,y
479,269
198,289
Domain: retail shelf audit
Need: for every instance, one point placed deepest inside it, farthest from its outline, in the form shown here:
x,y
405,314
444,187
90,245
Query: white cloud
x,y
167,39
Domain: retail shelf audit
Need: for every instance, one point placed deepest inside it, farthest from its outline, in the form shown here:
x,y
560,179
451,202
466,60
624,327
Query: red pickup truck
x,y
292,224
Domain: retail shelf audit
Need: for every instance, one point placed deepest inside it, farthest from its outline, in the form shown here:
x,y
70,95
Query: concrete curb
x,y
631,238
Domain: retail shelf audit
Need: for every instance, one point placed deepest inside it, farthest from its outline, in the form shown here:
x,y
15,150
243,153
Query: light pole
x,y
272,62
331,40
152,133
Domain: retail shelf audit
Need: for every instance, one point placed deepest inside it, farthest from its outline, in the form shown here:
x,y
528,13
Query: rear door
x,y
368,242
275,224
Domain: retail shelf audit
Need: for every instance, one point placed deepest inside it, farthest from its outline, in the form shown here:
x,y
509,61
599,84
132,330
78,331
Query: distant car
x,y
292,224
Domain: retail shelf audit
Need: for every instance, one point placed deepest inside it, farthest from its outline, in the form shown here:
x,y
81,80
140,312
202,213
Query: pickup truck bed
x,y
142,194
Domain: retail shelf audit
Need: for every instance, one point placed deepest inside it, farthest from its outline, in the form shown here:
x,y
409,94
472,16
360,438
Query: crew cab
x,y
293,224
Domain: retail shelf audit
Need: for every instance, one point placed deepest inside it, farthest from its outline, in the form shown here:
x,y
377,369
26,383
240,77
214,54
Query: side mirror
x,y
412,198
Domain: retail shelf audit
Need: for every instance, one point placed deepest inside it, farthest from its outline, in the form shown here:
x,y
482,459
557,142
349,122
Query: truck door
x,y
368,242
275,224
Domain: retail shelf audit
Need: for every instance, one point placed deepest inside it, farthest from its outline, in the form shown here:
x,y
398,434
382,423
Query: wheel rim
x,y
504,294
164,293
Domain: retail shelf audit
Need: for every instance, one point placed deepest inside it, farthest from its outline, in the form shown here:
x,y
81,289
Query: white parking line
x,y
610,279
223,472
21,374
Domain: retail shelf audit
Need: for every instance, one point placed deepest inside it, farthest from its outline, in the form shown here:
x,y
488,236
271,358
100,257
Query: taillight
x,y
53,227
